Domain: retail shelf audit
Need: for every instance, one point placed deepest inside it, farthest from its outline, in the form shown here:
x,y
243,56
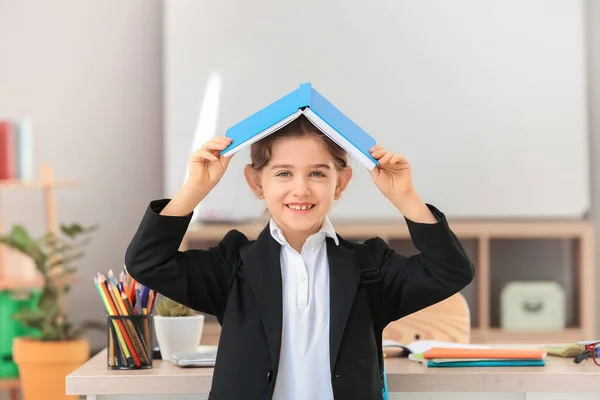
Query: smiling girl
x,y
295,315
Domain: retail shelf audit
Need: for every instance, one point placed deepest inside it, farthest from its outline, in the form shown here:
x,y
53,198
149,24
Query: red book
x,y
7,153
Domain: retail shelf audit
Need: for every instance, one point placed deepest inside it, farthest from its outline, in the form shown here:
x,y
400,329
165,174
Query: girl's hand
x,y
393,176
207,166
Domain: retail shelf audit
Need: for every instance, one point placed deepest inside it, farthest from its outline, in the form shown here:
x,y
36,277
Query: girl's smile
x,y
300,208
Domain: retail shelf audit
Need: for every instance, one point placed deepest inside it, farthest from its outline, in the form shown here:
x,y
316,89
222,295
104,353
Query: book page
x,y
421,346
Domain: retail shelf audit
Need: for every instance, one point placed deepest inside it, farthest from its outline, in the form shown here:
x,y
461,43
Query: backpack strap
x,y
371,279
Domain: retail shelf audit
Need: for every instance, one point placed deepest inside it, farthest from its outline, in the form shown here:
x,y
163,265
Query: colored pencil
x,y
118,329
117,311
123,296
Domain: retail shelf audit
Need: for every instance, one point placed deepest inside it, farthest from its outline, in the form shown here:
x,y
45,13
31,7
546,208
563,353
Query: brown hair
x,y
260,152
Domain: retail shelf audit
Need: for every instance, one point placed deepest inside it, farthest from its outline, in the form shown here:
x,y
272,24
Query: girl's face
x,y
299,183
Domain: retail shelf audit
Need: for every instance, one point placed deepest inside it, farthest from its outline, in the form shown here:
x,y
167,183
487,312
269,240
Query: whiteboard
x,y
486,99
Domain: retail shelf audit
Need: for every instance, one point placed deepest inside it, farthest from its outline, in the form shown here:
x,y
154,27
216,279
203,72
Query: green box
x,y
8,369
10,303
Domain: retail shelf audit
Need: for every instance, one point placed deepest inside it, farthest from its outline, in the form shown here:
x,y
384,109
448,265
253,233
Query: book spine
x,y
16,143
25,151
6,151
304,95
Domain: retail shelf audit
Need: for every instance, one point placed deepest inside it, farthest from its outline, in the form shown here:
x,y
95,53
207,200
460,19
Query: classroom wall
x,y
482,97
89,74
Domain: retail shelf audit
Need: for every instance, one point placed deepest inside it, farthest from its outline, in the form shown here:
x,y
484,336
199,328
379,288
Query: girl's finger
x,y
205,155
219,140
216,141
222,139
376,147
216,145
397,158
386,158
378,153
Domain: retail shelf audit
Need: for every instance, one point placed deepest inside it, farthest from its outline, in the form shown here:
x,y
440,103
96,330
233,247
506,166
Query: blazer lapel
x,y
344,275
262,266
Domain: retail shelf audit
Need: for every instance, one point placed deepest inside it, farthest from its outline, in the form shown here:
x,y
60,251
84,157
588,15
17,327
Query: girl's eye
x,y
284,174
317,173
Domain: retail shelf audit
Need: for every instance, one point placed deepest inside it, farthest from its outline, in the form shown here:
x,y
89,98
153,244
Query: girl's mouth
x,y
300,208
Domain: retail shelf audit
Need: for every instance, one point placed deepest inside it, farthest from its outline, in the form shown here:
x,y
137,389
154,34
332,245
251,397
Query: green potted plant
x,y
178,328
45,359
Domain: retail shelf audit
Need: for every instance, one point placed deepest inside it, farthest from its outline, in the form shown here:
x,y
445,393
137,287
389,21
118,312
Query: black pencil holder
x,y
129,342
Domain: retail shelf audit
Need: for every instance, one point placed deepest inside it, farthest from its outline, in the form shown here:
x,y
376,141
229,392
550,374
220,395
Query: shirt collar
x,y
326,230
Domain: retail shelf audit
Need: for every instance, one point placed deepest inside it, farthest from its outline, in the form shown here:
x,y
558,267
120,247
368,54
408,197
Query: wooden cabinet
x,y
479,237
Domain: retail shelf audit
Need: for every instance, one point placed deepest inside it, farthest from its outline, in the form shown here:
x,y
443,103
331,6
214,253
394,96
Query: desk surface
x,y
559,375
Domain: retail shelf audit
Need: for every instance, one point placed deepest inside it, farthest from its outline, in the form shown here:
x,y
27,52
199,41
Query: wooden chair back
x,y
448,321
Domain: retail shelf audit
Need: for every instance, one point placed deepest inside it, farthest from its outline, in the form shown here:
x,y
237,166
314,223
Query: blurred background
x,y
496,104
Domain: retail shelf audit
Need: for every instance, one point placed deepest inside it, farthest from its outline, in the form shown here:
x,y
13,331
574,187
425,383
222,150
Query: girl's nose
x,y
301,188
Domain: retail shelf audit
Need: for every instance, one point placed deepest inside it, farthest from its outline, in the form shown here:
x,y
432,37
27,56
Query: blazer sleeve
x,y
199,279
439,270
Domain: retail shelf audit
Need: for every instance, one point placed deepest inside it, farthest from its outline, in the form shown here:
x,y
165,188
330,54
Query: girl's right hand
x,y
207,165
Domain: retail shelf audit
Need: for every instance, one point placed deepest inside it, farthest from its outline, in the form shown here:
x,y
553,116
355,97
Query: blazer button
x,y
269,376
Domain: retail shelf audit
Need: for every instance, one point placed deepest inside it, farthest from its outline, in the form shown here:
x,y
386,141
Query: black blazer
x,y
239,281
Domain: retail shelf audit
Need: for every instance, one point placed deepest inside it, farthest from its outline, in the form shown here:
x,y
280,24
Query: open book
x,y
320,112
421,346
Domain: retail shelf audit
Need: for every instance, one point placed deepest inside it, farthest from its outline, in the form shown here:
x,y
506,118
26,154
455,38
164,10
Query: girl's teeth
x,y
299,208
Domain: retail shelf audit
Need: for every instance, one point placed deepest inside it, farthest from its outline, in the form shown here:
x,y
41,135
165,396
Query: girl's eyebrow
x,y
290,166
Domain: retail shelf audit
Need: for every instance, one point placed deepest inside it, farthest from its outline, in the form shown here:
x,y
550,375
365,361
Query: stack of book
x,y
16,149
466,357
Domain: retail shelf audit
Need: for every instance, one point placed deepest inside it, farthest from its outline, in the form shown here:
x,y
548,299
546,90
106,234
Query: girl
x,y
293,304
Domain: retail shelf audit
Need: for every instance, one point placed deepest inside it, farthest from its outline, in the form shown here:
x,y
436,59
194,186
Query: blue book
x,y
487,363
320,112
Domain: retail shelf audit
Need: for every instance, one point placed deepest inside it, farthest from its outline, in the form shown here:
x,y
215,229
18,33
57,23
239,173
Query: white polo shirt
x,y
304,366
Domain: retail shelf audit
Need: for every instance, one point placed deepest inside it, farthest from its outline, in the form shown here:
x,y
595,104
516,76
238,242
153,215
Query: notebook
x,y
320,112
493,353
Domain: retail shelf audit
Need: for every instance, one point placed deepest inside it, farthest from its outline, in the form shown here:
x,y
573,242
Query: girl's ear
x,y
253,179
342,182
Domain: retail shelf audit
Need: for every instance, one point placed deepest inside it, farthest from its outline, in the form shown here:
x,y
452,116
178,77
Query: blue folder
x,y
323,114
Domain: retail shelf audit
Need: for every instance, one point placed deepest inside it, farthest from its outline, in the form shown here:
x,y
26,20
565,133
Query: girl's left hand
x,y
393,176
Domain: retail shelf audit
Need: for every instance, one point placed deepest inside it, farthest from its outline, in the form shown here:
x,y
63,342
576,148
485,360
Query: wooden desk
x,y
406,379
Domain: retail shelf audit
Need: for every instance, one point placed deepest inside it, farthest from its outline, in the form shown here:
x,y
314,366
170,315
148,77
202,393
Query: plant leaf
x,y
73,230
29,318
65,260
48,301
19,239
49,240
50,332
64,271
55,249
52,255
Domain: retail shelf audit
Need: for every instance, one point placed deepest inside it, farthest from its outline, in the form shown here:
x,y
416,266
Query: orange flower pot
x,y
44,366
